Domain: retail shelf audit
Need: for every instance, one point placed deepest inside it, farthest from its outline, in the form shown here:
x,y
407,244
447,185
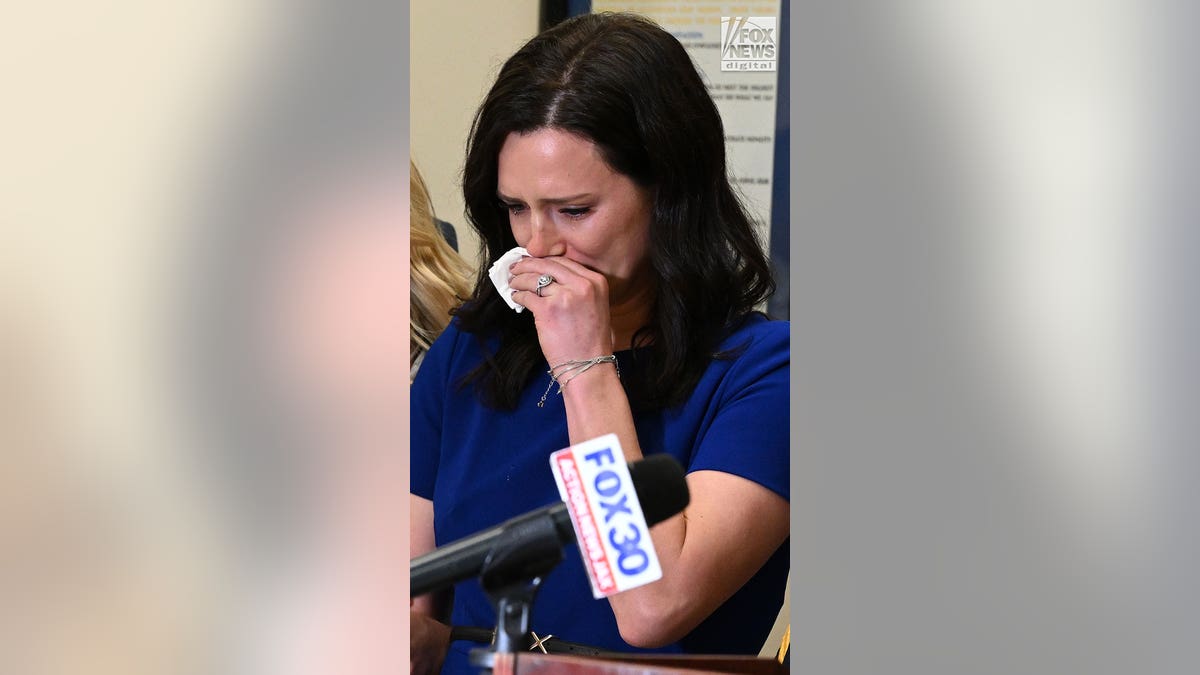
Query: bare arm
x,y
728,531
732,525
428,633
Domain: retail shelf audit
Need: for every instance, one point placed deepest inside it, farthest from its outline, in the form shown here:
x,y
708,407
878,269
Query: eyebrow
x,y
554,200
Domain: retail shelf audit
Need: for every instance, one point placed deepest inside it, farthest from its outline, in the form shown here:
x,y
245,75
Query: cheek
x,y
588,248
519,232
635,240
611,255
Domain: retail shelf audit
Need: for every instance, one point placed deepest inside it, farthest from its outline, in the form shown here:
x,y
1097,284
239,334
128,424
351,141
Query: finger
x,y
575,267
554,266
529,300
530,282
563,271
526,281
530,277
536,283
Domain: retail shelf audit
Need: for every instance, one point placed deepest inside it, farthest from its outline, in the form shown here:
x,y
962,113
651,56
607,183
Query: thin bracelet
x,y
576,367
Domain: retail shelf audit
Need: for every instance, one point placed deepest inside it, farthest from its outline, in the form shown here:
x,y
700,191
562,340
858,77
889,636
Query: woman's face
x,y
563,199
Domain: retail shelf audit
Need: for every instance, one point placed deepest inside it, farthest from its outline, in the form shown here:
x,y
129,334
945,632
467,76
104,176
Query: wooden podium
x,y
527,663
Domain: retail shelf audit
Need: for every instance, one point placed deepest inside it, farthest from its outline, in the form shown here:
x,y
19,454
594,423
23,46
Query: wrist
x,y
566,372
594,387
583,378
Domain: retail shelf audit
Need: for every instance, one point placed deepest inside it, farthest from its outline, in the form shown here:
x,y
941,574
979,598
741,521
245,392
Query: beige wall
x,y
108,112
457,49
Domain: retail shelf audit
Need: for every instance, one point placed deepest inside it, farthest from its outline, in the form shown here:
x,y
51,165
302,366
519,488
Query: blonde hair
x,y
439,276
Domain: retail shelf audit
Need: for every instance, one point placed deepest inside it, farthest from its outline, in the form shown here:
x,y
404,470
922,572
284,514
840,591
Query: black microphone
x,y
661,490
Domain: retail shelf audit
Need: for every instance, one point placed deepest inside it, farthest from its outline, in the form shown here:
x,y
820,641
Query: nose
x,y
544,239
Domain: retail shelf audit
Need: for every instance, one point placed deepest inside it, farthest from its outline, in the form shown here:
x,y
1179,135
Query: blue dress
x,y
480,466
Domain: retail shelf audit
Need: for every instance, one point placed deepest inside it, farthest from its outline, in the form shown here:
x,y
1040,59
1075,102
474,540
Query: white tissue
x,y
499,274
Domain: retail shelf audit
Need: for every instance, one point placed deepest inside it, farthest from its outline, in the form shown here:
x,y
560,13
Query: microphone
x,y
661,490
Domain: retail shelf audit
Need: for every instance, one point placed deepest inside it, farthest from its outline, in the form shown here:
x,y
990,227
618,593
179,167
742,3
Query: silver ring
x,y
543,281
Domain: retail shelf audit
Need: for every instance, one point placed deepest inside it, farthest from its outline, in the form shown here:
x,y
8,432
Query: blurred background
x,y
203,405
203,310
994,301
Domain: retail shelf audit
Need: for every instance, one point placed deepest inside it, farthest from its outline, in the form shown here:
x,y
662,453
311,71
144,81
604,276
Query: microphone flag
x,y
610,527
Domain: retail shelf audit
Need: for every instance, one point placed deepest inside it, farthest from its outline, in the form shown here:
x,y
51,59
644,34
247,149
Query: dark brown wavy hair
x,y
625,84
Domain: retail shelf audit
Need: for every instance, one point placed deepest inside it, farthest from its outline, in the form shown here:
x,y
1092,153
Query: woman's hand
x,y
571,315
428,642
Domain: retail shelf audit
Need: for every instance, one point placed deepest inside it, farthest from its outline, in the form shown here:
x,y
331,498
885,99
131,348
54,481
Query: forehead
x,y
551,161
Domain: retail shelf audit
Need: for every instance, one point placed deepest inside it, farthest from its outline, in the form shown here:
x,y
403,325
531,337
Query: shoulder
x,y
759,331
449,354
744,403
455,340
447,343
754,356
758,343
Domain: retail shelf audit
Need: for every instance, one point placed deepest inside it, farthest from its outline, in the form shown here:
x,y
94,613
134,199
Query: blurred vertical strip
x,y
203,370
994,280
298,342
1173,309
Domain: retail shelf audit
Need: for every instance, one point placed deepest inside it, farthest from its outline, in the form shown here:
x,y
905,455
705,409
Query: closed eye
x,y
512,207
576,212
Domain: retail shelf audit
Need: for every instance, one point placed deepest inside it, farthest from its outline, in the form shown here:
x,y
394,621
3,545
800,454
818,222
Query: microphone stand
x,y
512,575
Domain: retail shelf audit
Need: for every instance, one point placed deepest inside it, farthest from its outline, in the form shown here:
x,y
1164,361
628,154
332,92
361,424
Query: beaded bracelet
x,y
577,367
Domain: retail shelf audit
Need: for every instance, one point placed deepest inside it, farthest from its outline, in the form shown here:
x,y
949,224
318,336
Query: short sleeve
x,y
427,397
748,428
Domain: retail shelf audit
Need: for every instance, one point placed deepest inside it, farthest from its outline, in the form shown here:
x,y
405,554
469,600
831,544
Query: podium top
x,y
534,664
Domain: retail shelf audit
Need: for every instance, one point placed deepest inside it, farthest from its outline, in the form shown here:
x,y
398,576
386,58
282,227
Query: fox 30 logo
x,y
749,43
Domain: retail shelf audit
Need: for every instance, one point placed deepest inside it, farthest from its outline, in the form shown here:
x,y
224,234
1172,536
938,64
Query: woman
x,y
599,151
438,274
